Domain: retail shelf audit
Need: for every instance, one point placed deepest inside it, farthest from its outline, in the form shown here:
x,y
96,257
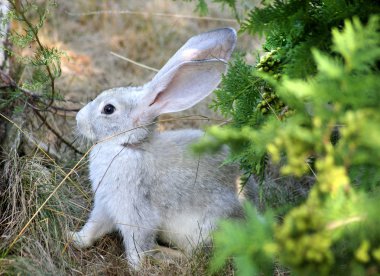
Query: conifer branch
x,y
20,11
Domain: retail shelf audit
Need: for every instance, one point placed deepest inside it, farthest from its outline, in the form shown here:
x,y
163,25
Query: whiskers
x,y
79,139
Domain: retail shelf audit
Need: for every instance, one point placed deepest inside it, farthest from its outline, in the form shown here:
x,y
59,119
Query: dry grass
x,y
43,249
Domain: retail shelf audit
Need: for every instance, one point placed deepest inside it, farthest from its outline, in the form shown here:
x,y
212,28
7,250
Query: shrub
x,y
311,105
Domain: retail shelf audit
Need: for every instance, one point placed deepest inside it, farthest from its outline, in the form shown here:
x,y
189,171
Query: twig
x,y
270,106
225,122
57,108
56,132
339,223
10,83
33,141
161,14
134,62
312,171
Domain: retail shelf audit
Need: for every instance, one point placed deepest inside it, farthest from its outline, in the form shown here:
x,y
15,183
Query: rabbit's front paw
x,y
79,240
134,260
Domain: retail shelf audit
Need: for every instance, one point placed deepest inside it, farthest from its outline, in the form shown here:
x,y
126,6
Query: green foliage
x,y
296,26
42,67
231,240
251,101
311,105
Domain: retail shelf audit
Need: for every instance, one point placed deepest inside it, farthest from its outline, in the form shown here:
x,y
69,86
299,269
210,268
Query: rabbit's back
x,y
184,180
190,192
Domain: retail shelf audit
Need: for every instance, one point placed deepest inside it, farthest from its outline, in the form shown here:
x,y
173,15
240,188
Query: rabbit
x,y
148,184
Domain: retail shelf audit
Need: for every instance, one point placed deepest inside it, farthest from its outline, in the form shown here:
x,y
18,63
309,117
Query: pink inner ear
x,y
196,54
157,98
190,54
199,54
181,88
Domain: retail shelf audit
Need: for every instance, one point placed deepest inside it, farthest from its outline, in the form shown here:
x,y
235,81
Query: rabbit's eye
x,y
108,109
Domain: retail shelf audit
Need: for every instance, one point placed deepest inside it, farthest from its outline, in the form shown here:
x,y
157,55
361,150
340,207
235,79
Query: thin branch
x,y
312,171
67,143
270,106
10,83
108,167
57,108
43,146
134,62
149,14
339,223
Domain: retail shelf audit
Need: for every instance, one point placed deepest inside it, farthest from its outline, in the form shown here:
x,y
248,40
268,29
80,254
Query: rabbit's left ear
x,y
215,44
181,87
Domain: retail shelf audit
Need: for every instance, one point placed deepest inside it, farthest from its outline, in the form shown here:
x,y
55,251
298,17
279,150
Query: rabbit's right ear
x,y
216,44
189,76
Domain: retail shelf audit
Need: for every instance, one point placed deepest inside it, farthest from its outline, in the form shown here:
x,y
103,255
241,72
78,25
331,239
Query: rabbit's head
x,y
187,78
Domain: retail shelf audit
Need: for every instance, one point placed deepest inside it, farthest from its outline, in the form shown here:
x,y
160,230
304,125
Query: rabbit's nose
x,y
80,117
83,124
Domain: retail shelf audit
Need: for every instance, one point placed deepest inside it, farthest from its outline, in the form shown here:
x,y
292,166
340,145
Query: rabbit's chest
x,y
113,170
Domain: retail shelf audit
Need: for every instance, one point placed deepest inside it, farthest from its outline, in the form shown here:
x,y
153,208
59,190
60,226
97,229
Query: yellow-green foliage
x,y
258,230
332,134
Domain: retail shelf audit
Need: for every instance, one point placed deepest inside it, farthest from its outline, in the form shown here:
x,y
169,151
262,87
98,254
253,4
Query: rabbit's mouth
x,y
86,132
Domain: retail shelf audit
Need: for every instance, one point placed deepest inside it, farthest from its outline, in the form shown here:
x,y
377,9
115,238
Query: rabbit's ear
x,y
181,88
216,44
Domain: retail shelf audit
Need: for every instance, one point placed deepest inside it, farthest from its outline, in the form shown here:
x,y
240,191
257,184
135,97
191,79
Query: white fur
x,y
145,183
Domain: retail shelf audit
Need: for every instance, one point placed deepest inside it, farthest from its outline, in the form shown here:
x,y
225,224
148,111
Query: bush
x,y
311,105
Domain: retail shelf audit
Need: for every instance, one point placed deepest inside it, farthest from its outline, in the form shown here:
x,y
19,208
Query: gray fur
x,y
147,183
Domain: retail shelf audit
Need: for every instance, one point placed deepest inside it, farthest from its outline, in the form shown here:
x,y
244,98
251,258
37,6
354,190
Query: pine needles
x,y
321,65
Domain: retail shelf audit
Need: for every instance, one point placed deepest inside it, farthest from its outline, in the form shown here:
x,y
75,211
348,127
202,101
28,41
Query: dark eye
x,y
108,109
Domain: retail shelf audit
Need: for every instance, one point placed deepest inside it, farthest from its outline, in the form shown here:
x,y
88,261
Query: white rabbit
x,y
148,184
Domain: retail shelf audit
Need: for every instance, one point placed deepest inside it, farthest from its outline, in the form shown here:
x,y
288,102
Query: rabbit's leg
x,y
98,224
138,241
188,230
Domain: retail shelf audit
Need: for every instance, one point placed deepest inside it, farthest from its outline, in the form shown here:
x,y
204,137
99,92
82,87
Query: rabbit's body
x,y
146,183
177,196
